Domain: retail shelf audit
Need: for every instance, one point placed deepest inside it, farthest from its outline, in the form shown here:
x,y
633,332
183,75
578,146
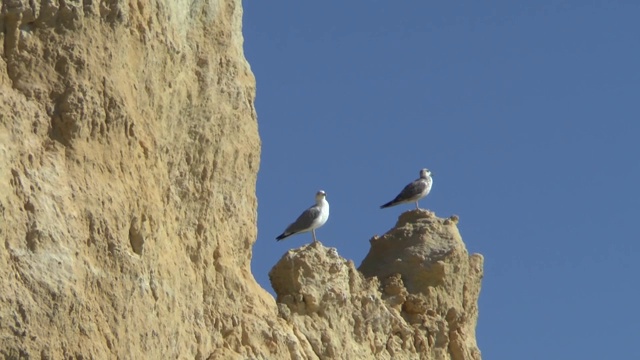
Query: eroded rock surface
x,y
129,151
415,296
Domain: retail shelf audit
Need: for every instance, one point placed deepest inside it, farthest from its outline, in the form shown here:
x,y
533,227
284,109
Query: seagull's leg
x,y
417,207
313,232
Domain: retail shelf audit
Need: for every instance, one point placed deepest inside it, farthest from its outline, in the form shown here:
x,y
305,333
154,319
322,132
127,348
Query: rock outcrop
x,y
415,296
129,152
429,276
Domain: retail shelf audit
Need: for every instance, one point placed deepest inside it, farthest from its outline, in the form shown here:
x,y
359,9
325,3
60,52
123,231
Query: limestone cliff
x,y
128,159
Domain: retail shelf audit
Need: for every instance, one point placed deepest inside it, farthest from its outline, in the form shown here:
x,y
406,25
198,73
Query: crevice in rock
x,y
136,238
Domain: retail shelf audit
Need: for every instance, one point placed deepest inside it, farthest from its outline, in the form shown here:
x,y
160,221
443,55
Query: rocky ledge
x,y
414,295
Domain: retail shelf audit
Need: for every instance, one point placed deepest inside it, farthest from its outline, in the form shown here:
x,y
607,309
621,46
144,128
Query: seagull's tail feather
x,y
283,236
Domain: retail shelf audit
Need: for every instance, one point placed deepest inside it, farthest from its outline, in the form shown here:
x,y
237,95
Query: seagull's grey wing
x,y
411,191
304,221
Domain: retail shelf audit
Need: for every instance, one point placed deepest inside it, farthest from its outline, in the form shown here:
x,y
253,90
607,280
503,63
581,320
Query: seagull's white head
x,y
425,173
320,195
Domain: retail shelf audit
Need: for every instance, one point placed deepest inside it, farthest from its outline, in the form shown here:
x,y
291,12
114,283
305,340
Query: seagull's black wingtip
x,y
281,237
390,203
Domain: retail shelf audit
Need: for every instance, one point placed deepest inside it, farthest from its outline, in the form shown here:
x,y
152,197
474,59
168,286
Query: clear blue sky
x,y
528,113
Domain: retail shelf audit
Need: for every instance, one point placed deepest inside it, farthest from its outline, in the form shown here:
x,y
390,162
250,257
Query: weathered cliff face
x,y
415,296
128,160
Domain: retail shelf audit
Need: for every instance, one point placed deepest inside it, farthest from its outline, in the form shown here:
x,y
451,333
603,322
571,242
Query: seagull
x,y
310,219
413,191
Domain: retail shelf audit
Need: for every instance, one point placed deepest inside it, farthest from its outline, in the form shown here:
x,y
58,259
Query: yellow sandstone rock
x,y
415,296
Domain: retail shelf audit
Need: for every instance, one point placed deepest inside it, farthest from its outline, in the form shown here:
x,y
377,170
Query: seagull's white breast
x,y
324,213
